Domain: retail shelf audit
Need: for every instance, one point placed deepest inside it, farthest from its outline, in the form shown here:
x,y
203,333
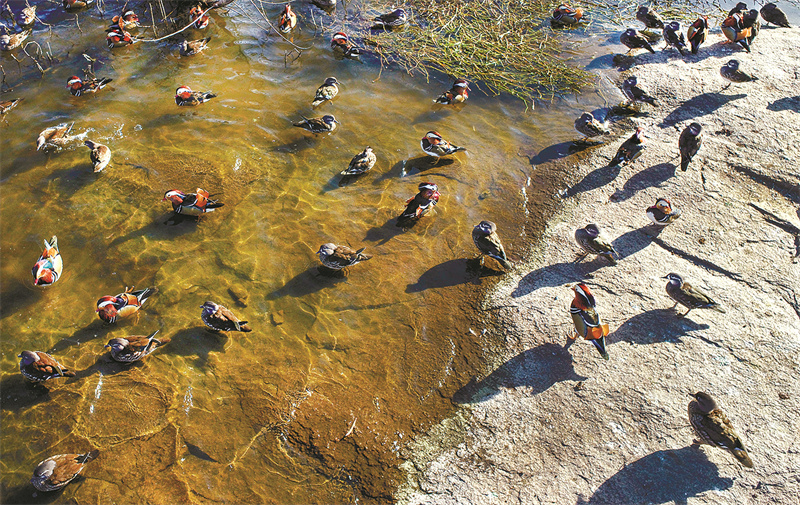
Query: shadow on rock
x,y
17,296
652,176
657,325
387,231
672,475
27,494
95,329
19,393
106,365
537,369
791,103
558,274
197,341
634,241
308,281
595,179
165,226
558,151
699,105
449,273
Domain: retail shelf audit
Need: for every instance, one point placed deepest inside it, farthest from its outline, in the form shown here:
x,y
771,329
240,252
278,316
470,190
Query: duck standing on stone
x,y
689,143
630,150
712,427
564,15
484,234
587,125
134,347
663,213
361,163
434,145
689,296
37,366
586,320
57,471
324,124
593,241
337,257
635,94
458,93
47,269
774,15
649,17
219,318
673,36
125,304
192,204
733,29
631,39
697,33
100,155
326,92
78,86
419,205
731,73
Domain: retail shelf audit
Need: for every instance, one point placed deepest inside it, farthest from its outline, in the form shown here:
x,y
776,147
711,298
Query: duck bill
x,y
600,344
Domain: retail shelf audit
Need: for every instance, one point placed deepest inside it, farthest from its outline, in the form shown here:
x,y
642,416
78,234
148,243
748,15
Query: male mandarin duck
x,y
190,48
773,14
635,94
730,72
184,96
57,471
26,17
697,33
78,86
48,268
361,163
127,21
134,347
391,20
649,17
689,143
75,5
673,36
288,20
343,48
420,204
740,8
586,320
486,239
663,213
328,90
219,318
192,204
117,37
326,123
593,241
630,150
337,257
587,125
126,304
689,296
7,105
55,137
566,15
734,30
434,145
9,42
458,93
631,39
100,155
37,366
712,427
199,18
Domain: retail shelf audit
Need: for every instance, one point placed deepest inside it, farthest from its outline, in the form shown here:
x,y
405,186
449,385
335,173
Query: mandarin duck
x,y
635,94
26,17
712,427
485,237
219,318
9,42
630,150
78,86
190,48
733,29
343,48
117,37
55,137
697,33
688,296
76,5
126,304
564,15
391,20
328,90
326,123
673,36
7,105
593,241
730,72
434,145
127,21
587,320
337,257
184,96
361,163
134,347
662,213
37,366
649,17
774,15
458,93
48,268
587,125
631,39
288,20
100,155
199,17
57,471
740,8
420,204
192,204
750,20
689,143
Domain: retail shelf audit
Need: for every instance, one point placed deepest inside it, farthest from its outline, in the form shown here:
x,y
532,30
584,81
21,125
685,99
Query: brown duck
x,y
57,471
37,366
220,318
713,427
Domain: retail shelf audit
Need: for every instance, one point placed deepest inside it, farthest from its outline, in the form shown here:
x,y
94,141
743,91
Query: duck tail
x,y
457,149
685,163
85,458
104,81
147,293
600,344
649,47
503,261
742,456
717,308
317,102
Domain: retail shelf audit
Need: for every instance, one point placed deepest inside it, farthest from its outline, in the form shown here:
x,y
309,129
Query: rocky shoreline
x,y
550,424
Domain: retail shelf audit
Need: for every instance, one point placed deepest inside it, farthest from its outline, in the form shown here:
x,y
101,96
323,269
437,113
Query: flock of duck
x,y
708,421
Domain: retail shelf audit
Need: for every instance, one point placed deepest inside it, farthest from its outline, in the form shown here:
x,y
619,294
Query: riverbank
x,y
546,424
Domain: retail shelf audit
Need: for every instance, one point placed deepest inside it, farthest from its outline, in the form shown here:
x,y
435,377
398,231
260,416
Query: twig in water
x,y
352,427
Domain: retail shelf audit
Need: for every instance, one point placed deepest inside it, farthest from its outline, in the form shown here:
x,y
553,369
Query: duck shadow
x,y
387,231
652,176
634,241
538,369
593,180
699,105
558,274
560,150
74,178
301,144
93,330
436,113
106,365
309,281
341,181
18,296
671,475
27,494
443,275
656,325
478,270
198,341
791,103
416,166
166,226
19,393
